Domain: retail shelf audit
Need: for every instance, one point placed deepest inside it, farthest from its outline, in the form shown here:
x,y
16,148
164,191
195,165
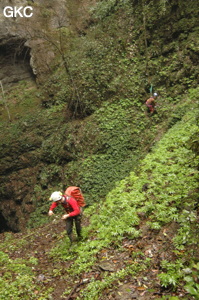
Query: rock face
x,y
15,62
14,55
23,51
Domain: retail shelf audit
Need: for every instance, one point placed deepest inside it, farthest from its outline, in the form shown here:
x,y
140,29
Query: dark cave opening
x,y
3,224
15,62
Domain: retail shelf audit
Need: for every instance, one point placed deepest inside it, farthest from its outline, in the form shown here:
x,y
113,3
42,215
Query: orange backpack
x,y
76,193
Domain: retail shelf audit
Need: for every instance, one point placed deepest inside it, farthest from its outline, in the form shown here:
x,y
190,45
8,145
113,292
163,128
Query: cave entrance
x,y
15,62
3,224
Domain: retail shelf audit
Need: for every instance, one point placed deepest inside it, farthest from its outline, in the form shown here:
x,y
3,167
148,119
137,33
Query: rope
x,y
151,89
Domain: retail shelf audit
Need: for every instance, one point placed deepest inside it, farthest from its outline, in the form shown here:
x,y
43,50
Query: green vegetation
x,y
171,175
87,126
17,281
111,79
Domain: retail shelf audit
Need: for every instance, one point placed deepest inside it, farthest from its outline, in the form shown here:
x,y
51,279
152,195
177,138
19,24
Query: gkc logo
x,y
23,12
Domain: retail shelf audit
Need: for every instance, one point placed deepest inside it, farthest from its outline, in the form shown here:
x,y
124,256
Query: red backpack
x,y
76,193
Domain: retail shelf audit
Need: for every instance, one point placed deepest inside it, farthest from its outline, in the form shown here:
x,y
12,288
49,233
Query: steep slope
x,y
80,123
85,124
141,243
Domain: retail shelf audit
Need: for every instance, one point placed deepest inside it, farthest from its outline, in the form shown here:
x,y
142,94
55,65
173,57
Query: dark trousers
x,y
69,226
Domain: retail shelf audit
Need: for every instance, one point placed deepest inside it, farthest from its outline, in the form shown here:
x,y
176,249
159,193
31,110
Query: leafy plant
x,y
172,275
191,279
17,280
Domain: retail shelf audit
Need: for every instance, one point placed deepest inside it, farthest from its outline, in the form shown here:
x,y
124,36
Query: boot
x,y
79,238
71,239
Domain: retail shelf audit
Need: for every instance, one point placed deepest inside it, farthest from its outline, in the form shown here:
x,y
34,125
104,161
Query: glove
x,y
50,213
64,217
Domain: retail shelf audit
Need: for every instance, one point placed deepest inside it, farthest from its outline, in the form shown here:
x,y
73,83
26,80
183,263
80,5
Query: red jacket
x,y
70,205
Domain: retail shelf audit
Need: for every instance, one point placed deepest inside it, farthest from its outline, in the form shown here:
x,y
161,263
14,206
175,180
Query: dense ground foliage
x,y
88,126
162,193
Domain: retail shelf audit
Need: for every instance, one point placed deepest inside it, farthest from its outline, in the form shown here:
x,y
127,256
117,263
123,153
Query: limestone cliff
x,y
24,54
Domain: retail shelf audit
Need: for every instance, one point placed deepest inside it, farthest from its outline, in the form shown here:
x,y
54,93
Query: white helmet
x,y
155,95
56,196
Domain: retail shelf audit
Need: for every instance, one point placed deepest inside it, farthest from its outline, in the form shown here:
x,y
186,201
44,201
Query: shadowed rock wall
x,y
23,52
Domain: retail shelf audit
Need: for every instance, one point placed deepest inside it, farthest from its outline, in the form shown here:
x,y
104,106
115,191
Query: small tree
x,y
4,101
54,27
